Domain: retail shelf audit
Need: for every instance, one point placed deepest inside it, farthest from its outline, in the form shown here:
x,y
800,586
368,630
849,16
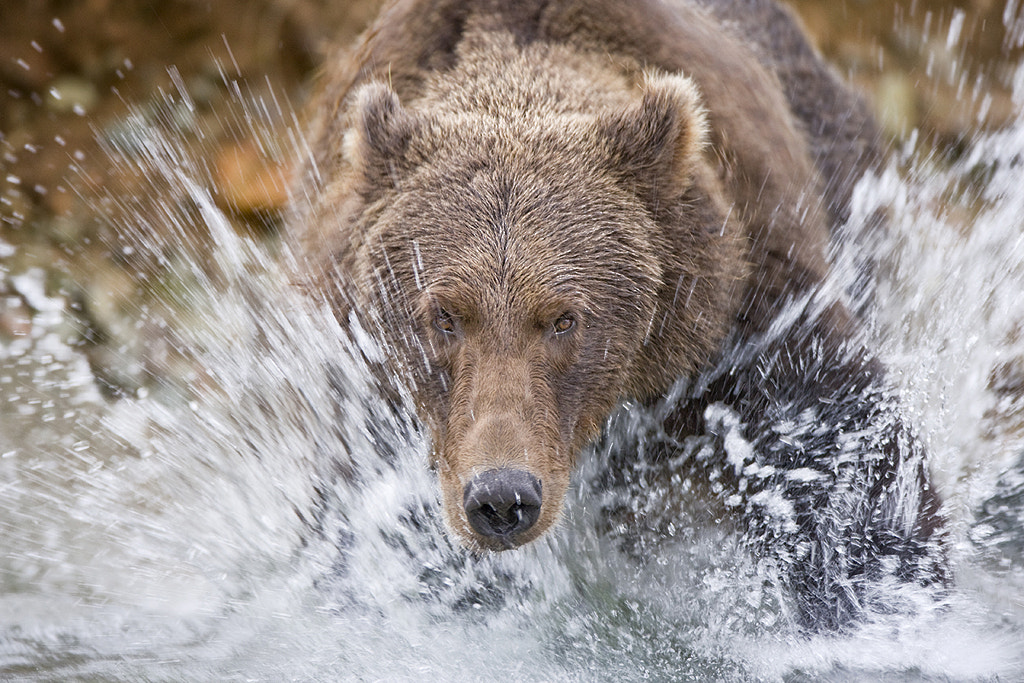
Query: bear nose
x,y
501,504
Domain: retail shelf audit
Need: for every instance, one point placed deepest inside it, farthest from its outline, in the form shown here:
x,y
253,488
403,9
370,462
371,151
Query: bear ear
x,y
377,141
657,142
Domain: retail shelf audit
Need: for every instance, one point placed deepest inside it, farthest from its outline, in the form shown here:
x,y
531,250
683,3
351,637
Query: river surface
x,y
269,515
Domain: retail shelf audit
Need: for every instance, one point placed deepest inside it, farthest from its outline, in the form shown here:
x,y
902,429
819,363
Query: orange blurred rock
x,y
248,181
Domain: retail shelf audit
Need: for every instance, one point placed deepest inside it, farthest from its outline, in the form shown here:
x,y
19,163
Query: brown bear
x,y
542,208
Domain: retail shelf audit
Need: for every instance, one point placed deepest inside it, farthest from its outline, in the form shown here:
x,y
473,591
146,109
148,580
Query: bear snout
x,y
502,504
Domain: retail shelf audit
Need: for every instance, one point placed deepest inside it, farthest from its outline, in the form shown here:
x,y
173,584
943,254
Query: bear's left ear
x,y
657,143
377,142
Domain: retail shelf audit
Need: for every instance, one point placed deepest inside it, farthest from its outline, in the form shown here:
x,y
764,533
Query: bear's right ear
x,y
656,144
376,143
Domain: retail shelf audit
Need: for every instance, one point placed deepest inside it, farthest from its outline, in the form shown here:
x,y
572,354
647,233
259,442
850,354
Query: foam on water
x,y
273,516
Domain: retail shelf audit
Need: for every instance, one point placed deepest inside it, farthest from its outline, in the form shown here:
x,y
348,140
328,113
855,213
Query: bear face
x,y
520,280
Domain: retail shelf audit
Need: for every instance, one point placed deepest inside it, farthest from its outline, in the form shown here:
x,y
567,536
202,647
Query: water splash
x,y
270,514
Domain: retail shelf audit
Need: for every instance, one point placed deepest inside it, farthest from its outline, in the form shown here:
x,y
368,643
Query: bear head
x,y
527,270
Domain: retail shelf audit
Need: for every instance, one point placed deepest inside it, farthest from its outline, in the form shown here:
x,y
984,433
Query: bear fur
x,y
544,208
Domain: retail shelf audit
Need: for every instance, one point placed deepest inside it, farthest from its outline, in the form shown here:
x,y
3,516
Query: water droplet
x,y
956,26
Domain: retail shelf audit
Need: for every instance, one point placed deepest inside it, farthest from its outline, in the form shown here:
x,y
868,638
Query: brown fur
x,y
492,166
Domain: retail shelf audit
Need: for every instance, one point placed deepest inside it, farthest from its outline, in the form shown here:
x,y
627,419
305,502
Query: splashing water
x,y
273,516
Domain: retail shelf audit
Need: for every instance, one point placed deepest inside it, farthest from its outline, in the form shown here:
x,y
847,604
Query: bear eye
x,y
564,323
444,323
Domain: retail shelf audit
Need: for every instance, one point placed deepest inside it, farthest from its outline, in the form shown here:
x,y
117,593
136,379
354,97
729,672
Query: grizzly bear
x,y
545,208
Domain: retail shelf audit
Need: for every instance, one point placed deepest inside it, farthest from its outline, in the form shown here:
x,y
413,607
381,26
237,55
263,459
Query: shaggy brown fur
x,y
546,206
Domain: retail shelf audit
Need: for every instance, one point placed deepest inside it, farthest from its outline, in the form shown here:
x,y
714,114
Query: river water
x,y
270,515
